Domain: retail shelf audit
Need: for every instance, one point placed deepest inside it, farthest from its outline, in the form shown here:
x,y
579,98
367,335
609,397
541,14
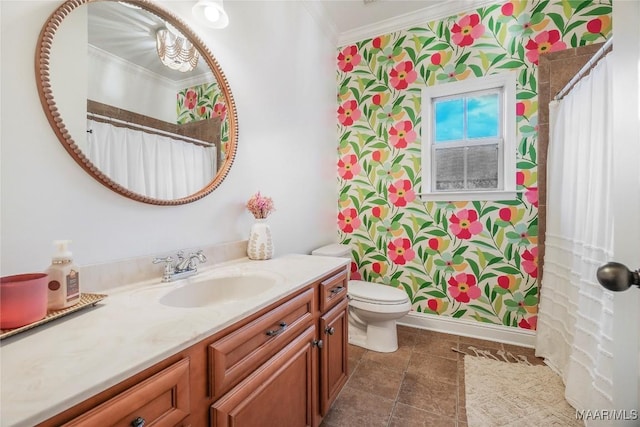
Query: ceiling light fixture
x,y
211,13
176,52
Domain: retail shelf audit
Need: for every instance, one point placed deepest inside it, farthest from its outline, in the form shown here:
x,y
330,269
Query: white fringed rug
x,y
514,394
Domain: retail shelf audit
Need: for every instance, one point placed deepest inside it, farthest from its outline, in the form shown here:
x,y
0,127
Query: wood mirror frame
x,y
45,92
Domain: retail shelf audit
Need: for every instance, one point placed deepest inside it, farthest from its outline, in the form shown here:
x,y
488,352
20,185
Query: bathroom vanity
x,y
276,358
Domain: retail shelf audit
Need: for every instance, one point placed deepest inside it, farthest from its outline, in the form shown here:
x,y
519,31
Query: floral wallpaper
x,y
204,102
470,260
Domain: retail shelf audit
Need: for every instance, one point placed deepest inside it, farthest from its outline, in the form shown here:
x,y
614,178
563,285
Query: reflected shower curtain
x,y
576,313
155,166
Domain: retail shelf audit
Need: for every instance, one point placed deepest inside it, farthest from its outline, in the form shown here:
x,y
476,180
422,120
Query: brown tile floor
x,y
421,384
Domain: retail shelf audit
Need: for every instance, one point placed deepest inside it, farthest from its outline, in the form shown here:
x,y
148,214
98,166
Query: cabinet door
x,y
278,394
333,354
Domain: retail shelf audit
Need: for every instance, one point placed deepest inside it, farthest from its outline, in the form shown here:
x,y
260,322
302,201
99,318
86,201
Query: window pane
x,y
449,169
483,116
482,167
449,119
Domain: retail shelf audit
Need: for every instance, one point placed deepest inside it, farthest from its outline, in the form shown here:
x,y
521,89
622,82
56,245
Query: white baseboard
x,y
467,328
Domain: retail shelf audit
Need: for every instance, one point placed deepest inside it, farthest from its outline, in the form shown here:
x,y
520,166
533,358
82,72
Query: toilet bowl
x,y
373,308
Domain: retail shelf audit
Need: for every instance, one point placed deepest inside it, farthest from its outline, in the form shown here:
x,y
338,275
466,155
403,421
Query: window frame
x,y
506,83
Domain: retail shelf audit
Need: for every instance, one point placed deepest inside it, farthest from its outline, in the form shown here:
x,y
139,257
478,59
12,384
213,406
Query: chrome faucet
x,y
184,267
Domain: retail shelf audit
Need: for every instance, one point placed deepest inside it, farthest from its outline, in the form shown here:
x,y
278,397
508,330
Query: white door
x,y
626,198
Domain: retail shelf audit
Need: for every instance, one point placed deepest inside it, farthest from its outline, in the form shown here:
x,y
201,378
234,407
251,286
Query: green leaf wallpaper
x,y
470,260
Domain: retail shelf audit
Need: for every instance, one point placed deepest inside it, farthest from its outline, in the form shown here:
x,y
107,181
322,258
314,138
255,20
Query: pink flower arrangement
x,y
260,206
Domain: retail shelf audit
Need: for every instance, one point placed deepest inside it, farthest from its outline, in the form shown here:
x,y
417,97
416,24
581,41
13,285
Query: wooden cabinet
x,y
278,394
241,352
162,400
297,386
281,366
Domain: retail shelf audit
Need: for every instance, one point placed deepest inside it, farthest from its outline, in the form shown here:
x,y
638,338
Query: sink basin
x,y
202,292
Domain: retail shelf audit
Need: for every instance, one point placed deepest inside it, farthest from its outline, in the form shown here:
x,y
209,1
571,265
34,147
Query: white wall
x,y
127,86
281,70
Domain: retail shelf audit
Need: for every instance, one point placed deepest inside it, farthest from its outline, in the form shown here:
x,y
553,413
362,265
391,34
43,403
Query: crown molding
x,y
407,20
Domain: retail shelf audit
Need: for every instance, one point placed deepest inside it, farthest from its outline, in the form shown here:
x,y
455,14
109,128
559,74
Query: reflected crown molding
x,y
175,85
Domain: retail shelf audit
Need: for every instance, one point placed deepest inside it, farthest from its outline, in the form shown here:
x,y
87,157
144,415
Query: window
x,y
468,147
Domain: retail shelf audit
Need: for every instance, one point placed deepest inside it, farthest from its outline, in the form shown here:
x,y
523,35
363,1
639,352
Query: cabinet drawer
x,y
332,290
233,357
162,400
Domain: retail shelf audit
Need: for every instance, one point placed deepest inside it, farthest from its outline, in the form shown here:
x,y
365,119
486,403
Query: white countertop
x,y
48,369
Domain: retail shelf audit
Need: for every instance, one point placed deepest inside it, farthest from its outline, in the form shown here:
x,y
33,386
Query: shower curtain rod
x,y
143,128
585,69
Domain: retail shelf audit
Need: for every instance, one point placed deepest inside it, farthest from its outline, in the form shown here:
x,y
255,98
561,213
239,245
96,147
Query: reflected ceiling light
x,y
211,13
176,52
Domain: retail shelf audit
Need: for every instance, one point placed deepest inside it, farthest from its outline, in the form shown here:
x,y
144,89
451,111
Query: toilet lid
x,y
376,293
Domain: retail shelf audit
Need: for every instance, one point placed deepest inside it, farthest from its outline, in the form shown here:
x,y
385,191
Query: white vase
x,y
260,244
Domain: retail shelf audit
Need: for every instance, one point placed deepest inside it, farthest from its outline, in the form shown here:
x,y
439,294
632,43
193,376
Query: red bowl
x,y
23,299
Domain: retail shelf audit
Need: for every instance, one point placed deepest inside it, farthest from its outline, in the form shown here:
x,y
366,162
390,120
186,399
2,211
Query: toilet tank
x,y
334,250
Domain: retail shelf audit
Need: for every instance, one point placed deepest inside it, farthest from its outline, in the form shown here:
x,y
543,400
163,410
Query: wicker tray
x,y
86,300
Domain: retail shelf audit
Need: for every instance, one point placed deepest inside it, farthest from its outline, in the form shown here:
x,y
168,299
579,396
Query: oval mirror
x,y
137,99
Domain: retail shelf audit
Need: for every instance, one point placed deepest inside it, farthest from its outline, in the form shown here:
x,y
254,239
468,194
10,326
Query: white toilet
x,y
373,308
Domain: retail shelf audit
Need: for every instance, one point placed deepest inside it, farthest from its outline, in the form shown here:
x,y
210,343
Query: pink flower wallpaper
x,y
471,260
203,102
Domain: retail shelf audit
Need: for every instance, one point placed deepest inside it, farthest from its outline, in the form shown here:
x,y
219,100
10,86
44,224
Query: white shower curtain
x,y
576,313
153,165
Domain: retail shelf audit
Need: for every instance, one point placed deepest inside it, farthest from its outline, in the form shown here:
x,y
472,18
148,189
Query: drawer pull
x,y
337,290
274,332
317,343
138,422
329,330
